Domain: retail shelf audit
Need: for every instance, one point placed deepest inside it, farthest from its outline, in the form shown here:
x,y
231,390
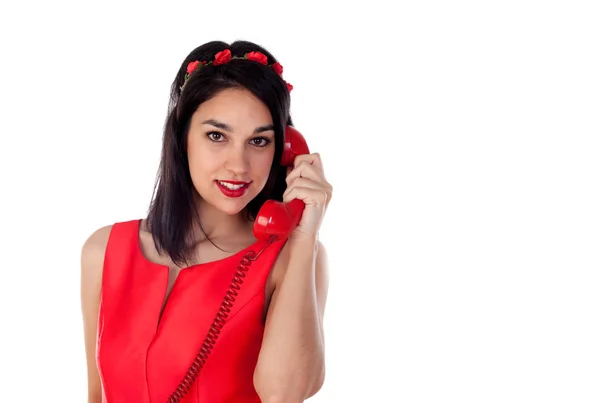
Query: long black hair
x,y
173,211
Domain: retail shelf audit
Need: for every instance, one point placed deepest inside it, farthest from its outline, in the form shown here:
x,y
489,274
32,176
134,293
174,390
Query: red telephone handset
x,y
276,218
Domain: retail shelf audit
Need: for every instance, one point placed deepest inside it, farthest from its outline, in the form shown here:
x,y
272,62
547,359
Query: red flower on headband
x,y
257,57
192,66
222,57
278,68
290,87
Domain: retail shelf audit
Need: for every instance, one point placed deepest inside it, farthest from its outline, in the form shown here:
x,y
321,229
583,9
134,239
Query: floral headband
x,y
224,56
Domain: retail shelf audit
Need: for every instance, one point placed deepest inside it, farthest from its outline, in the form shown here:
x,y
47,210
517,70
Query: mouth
x,y
233,188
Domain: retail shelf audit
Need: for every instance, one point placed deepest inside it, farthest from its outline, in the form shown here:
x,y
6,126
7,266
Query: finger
x,y
295,180
306,183
305,170
313,159
310,196
310,184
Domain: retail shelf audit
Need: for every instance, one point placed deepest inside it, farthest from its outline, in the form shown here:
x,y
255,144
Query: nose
x,y
237,160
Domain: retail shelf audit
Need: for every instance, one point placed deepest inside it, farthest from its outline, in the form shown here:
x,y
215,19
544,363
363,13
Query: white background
x,y
461,139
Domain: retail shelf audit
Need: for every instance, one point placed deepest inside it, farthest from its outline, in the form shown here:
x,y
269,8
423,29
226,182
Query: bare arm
x,y
92,261
291,363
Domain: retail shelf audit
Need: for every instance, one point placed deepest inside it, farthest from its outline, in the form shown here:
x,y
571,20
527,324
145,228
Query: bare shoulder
x,y
92,264
93,250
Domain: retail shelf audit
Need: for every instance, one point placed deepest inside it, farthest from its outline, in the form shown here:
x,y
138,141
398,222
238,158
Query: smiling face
x,y
230,148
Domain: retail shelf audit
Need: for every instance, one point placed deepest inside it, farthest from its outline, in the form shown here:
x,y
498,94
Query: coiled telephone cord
x,y
213,333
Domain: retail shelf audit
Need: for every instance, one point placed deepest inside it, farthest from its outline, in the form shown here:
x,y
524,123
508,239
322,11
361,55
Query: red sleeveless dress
x,y
143,359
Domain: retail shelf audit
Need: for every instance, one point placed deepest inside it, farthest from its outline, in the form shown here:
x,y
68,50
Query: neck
x,y
217,224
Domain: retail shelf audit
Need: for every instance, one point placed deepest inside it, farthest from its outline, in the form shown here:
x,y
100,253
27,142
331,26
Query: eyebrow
x,y
225,126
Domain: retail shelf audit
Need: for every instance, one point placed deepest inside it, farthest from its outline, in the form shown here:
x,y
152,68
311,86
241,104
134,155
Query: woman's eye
x,y
214,136
260,141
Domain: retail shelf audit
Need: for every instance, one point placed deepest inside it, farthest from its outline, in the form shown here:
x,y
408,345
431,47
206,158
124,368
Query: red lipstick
x,y
235,189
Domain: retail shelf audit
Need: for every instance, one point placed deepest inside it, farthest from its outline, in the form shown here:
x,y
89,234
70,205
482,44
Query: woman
x,y
188,304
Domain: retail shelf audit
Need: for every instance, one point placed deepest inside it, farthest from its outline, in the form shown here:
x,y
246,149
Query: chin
x,y
233,206
230,210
